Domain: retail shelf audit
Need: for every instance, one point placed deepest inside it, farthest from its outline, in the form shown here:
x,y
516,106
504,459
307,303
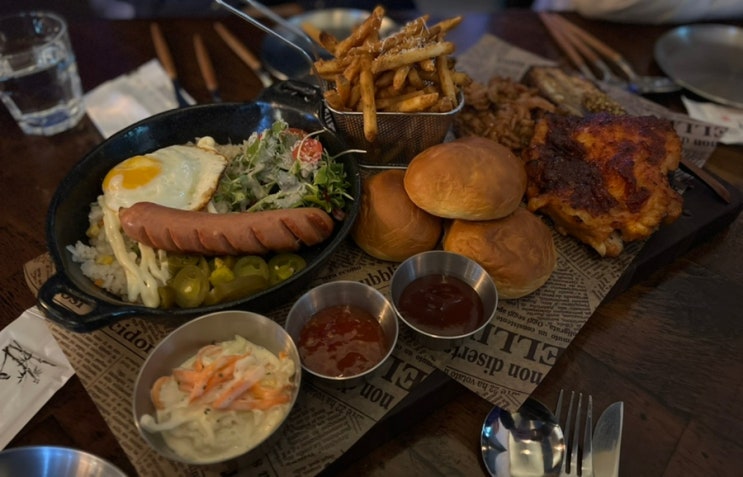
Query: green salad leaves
x,y
282,168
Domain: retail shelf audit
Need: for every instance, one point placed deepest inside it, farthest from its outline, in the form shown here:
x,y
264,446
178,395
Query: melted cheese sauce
x,y
141,278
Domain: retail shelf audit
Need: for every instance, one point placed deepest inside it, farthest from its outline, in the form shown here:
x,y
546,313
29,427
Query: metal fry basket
x,y
401,135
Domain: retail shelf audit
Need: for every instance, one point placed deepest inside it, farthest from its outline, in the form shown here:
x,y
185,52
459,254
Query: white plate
x,y
706,59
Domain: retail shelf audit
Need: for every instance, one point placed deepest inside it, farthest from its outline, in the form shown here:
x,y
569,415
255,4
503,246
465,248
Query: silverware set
x,y
576,455
589,55
598,454
535,441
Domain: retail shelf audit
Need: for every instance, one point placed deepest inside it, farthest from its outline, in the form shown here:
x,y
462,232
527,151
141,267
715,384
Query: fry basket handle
x,y
279,20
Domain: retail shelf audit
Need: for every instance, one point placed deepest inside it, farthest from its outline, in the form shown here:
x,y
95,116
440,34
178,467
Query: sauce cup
x,y
340,294
444,297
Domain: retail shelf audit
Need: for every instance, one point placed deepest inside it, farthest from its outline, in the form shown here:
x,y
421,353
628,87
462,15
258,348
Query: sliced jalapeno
x,y
240,287
191,286
249,265
167,296
221,274
285,265
176,262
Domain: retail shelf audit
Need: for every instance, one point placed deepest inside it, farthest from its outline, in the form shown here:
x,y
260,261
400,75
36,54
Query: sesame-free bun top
x,y
517,251
471,178
389,225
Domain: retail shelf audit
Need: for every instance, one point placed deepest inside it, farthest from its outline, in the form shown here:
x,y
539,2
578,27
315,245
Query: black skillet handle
x,y
83,314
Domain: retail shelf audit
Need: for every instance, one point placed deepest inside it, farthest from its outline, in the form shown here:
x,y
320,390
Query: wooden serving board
x,y
704,215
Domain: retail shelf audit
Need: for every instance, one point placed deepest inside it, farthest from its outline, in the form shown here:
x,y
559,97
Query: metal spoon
x,y
646,84
528,442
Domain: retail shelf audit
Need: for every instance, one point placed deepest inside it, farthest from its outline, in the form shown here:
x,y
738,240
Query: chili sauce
x,y
341,340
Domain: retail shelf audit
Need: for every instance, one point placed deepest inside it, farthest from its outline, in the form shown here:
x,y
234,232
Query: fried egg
x,y
179,176
182,177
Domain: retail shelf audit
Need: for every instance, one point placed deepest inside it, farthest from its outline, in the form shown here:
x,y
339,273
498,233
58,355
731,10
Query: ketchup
x,y
341,340
442,305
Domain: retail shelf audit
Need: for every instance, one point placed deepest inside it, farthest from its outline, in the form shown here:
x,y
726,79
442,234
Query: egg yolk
x,y
134,172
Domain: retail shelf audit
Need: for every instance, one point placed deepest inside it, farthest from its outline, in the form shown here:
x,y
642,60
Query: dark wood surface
x,y
670,347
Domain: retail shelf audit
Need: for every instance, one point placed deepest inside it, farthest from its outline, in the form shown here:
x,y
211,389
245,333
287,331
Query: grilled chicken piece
x,y
603,178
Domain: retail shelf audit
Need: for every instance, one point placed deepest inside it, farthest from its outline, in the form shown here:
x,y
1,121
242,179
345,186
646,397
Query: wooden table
x,y
670,347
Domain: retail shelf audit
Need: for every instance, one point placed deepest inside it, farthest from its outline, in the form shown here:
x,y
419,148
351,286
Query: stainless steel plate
x,y
705,59
285,62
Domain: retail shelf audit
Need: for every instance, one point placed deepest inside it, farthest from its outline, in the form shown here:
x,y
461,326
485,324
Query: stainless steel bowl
x,y
450,264
185,341
284,62
33,461
344,293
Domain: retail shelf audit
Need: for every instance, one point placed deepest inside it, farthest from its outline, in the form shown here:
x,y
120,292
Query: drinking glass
x,y
39,82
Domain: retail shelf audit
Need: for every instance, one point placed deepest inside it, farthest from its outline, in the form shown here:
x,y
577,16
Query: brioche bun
x,y
471,178
517,251
389,225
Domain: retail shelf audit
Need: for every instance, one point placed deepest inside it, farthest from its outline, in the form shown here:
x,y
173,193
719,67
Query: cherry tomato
x,y
300,133
306,149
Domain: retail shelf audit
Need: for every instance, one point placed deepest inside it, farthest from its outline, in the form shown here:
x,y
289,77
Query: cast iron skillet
x,y
297,103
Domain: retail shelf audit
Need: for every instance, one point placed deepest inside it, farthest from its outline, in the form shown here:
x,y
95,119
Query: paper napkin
x,y
122,101
32,368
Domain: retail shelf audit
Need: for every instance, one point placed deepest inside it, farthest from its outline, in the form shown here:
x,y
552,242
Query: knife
x,y
163,54
607,440
244,54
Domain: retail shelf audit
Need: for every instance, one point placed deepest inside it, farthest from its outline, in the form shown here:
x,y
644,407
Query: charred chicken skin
x,y
603,178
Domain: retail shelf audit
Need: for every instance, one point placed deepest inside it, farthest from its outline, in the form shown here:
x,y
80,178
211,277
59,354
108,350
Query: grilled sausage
x,y
204,233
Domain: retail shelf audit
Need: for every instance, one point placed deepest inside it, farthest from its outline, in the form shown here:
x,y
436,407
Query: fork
x,y
576,456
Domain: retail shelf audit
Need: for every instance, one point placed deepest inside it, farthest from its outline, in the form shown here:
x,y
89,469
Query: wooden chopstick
x,y
577,41
602,48
237,47
243,53
206,67
566,45
166,60
163,52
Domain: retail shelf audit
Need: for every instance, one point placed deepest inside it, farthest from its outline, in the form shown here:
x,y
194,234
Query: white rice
x,y
96,258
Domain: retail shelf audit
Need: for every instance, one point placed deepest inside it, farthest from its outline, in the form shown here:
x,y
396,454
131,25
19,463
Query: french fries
x,y
410,71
